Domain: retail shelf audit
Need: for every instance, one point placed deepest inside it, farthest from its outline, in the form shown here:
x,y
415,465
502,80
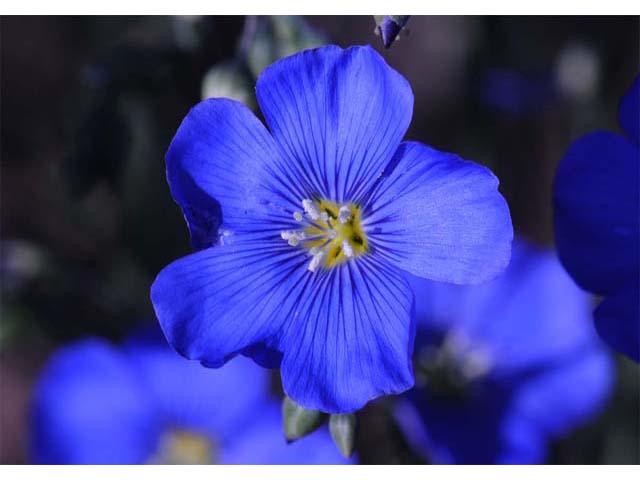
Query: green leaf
x,y
229,80
343,432
299,421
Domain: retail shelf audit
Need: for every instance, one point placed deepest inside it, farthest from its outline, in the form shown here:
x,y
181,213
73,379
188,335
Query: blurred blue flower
x,y
311,224
516,93
597,223
143,403
503,367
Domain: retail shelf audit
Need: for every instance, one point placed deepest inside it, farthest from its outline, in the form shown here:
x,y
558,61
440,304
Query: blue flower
x,y
504,367
306,228
597,223
514,93
142,403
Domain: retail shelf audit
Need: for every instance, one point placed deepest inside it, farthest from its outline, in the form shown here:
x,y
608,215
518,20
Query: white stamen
x,y
292,237
222,234
344,214
317,259
311,209
347,249
476,364
326,234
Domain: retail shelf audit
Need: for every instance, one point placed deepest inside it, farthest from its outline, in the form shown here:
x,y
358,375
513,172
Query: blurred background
x,y
90,104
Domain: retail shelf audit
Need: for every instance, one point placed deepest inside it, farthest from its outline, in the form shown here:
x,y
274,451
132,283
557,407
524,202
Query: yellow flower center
x,y
331,233
349,241
181,447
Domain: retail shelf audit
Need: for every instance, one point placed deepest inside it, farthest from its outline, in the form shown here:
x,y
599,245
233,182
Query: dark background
x,y
90,104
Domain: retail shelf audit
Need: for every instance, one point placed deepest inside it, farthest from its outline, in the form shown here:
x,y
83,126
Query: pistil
x,y
331,233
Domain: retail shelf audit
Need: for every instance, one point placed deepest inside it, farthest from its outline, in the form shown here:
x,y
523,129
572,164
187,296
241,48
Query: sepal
x,y
343,432
299,422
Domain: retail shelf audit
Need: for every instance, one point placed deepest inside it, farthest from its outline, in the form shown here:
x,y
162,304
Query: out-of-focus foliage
x,y
269,39
229,80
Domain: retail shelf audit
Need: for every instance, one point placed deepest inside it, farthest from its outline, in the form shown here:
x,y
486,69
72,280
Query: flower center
x,y
449,370
181,447
331,233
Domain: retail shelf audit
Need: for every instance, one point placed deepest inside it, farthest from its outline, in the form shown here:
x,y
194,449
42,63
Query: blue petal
x,y
583,381
440,217
229,299
264,355
264,443
523,443
629,112
218,403
222,168
618,320
350,339
338,115
450,431
89,407
534,294
346,334
596,201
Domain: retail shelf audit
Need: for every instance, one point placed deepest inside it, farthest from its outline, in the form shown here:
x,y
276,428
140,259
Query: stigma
x,y
331,233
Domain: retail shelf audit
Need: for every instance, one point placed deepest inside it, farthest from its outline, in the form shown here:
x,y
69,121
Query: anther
x,y
311,209
292,237
317,259
329,233
344,214
347,249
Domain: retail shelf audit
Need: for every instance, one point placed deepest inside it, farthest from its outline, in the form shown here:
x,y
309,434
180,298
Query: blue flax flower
x,y
503,367
143,403
304,229
514,93
597,223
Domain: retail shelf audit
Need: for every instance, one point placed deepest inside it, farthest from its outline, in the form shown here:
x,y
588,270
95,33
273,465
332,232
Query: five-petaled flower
x,y
142,403
503,367
597,223
305,228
